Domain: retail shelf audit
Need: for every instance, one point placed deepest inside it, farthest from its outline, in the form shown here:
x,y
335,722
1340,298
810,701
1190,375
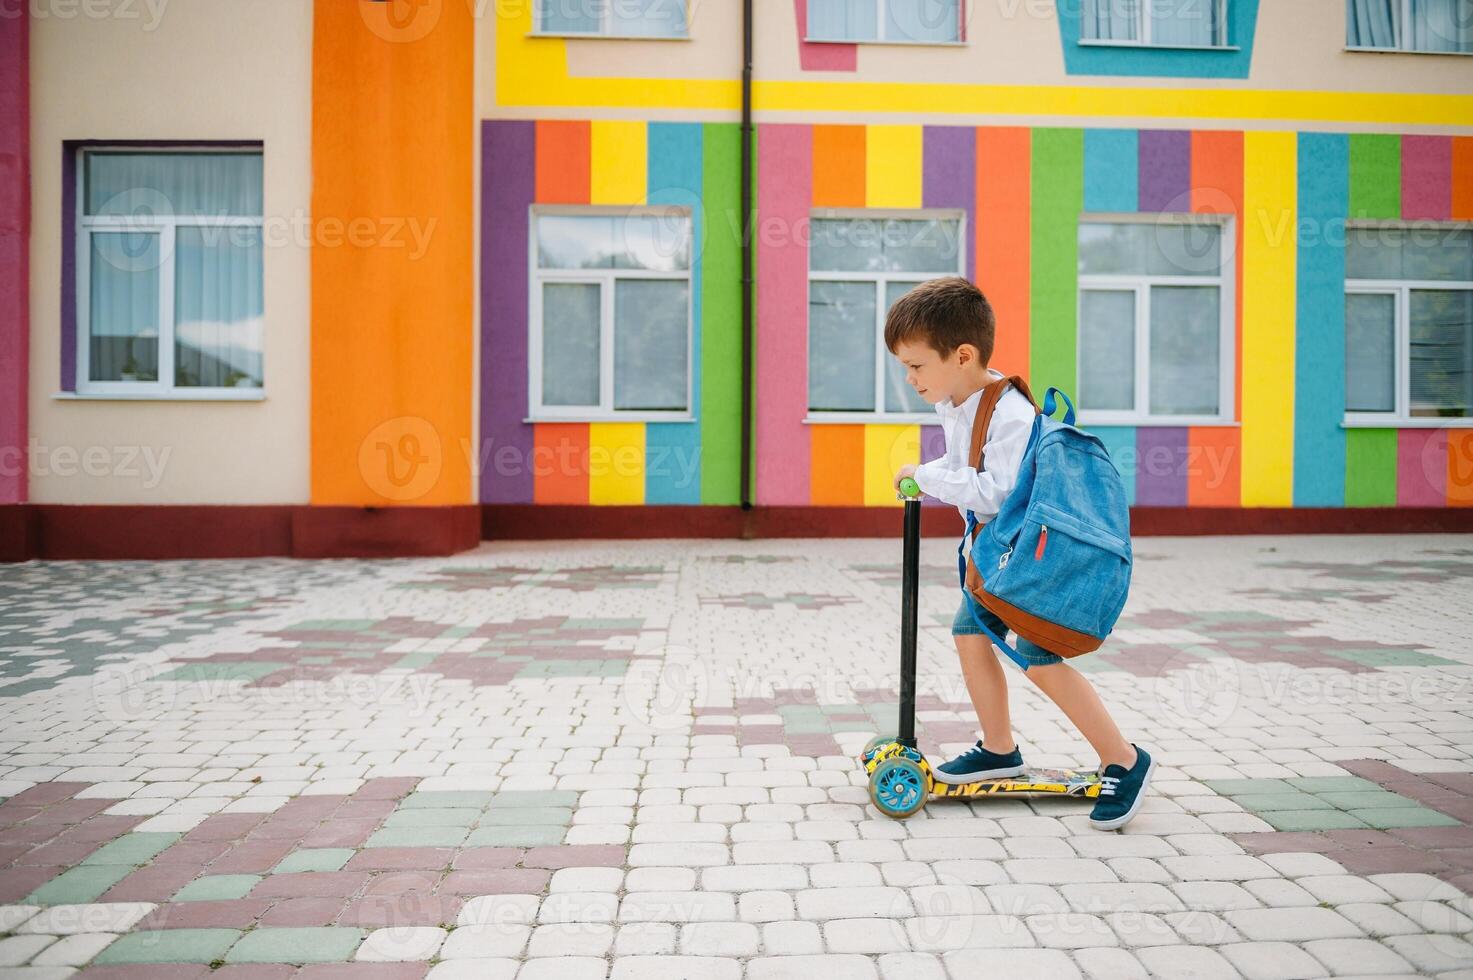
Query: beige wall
x,y
201,69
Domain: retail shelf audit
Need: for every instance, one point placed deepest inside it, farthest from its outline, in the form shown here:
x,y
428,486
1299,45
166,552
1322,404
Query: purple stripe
x,y
1165,170
508,186
15,206
1161,466
949,178
933,446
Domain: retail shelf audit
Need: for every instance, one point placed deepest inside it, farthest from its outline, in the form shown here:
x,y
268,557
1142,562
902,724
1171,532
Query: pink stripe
x,y
1421,468
784,182
1427,177
15,203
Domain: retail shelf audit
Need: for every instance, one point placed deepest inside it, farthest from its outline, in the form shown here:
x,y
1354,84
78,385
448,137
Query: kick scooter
x,y
900,779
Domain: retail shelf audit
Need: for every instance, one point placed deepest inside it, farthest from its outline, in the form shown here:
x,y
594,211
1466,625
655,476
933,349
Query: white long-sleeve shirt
x,y
950,479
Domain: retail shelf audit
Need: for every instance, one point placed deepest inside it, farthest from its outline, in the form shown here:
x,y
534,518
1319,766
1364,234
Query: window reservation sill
x,y
1141,46
622,417
1181,422
870,418
1352,422
206,395
588,36
914,44
1455,54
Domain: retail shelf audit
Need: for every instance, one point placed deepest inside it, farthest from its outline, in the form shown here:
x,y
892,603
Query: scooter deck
x,y
1056,782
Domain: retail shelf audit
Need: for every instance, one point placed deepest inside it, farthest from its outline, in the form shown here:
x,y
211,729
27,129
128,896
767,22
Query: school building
x,y
352,277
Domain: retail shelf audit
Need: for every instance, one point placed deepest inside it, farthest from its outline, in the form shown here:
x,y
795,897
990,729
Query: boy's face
x,y
935,377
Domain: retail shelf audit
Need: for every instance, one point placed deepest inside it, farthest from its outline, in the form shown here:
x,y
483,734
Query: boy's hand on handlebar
x,y
905,471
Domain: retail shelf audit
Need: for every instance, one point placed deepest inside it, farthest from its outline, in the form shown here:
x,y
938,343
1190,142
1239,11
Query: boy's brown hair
x,y
945,313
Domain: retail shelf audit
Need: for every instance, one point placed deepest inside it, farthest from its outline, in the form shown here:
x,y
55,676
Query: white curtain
x,y
570,16
843,20
841,346
123,307
1112,20
1186,22
570,343
651,336
218,307
1371,23
142,184
649,18
922,20
1442,25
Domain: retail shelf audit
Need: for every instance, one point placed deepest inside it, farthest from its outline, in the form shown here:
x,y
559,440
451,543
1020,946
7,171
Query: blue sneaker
x,y
977,764
1121,792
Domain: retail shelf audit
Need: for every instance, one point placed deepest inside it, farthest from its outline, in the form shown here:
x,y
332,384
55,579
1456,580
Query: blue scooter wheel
x,y
897,787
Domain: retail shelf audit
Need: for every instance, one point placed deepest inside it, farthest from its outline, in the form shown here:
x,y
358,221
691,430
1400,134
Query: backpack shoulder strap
x,y
990,397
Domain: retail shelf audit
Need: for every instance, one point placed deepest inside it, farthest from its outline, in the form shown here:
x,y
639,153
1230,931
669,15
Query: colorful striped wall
x,y
1023,191
622,163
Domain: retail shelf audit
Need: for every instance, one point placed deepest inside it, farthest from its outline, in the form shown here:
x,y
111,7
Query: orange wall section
x,y
393,127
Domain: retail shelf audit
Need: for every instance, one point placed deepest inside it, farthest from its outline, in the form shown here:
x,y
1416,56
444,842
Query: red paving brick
x,y
401,859
145,971
254,971
17,883
386,789
224,827
406,909
301,884
482,858
254,857
43,794
362,971
575,856
151,884
304,912
235,913
341,833
395,882
498,881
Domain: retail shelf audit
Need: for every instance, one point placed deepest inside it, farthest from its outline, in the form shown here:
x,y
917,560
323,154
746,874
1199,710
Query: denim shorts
x,y
965,625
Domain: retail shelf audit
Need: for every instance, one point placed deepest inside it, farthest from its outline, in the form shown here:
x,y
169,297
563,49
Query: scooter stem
x,y
909,608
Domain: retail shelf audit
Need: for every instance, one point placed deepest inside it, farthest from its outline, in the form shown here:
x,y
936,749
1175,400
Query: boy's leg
x,y
988,686
1080,702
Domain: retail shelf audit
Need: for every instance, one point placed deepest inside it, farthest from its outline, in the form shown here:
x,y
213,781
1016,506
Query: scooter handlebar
x,y
910,488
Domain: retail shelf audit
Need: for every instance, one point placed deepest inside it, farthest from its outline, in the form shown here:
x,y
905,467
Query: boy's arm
x,y
981,491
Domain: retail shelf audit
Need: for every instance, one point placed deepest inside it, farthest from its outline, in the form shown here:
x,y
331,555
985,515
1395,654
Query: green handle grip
x,y
910,488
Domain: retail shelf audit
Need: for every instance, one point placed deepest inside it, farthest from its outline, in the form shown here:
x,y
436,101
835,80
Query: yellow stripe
x,y
617,151
886,449
892,166
616,463
533,71
1270,210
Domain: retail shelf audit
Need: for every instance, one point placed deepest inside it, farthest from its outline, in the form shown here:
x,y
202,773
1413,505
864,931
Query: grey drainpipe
x,y
746,205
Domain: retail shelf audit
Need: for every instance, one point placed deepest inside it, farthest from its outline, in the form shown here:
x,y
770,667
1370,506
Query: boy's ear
x,y
966,354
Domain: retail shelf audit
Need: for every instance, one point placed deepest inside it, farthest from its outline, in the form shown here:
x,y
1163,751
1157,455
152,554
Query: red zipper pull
x,y
1042,543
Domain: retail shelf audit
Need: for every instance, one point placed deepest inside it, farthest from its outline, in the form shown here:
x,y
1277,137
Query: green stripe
x,y
1370,467
721,317
1058,199
1375,176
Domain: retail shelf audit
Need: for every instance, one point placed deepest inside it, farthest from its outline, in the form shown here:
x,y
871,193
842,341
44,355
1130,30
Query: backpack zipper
x,y
1042,542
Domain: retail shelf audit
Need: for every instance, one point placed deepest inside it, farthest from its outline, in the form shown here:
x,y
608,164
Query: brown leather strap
x,y
991,395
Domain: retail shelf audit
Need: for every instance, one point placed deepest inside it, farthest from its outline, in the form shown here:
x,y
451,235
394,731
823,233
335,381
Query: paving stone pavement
x,y
637,760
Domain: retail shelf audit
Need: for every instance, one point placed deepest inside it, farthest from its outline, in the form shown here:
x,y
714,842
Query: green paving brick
x,y
515,836
81,884
134,849
806,726
334,625
327,944
1326,819
1281,801
1332,784
1384,818
215,888
254,670
314,859
432,816
170,946
502,816
446,798
1366,799
418,837
416,660
1391,658
534,797
1243,787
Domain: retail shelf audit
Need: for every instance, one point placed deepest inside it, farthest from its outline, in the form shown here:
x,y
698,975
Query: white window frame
x,y
604,411
1141,284
167,227
1401,46
880,279
1143,32
605,29
881,10
1401,289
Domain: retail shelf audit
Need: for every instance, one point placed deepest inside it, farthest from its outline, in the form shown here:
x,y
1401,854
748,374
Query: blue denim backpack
x,y
1054,564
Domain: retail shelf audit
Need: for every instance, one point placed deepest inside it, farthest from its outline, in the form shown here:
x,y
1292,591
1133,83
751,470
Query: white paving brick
x,y
1292,924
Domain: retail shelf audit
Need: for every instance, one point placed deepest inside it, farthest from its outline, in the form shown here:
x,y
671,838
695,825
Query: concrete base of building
x,y
59,531
116,532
